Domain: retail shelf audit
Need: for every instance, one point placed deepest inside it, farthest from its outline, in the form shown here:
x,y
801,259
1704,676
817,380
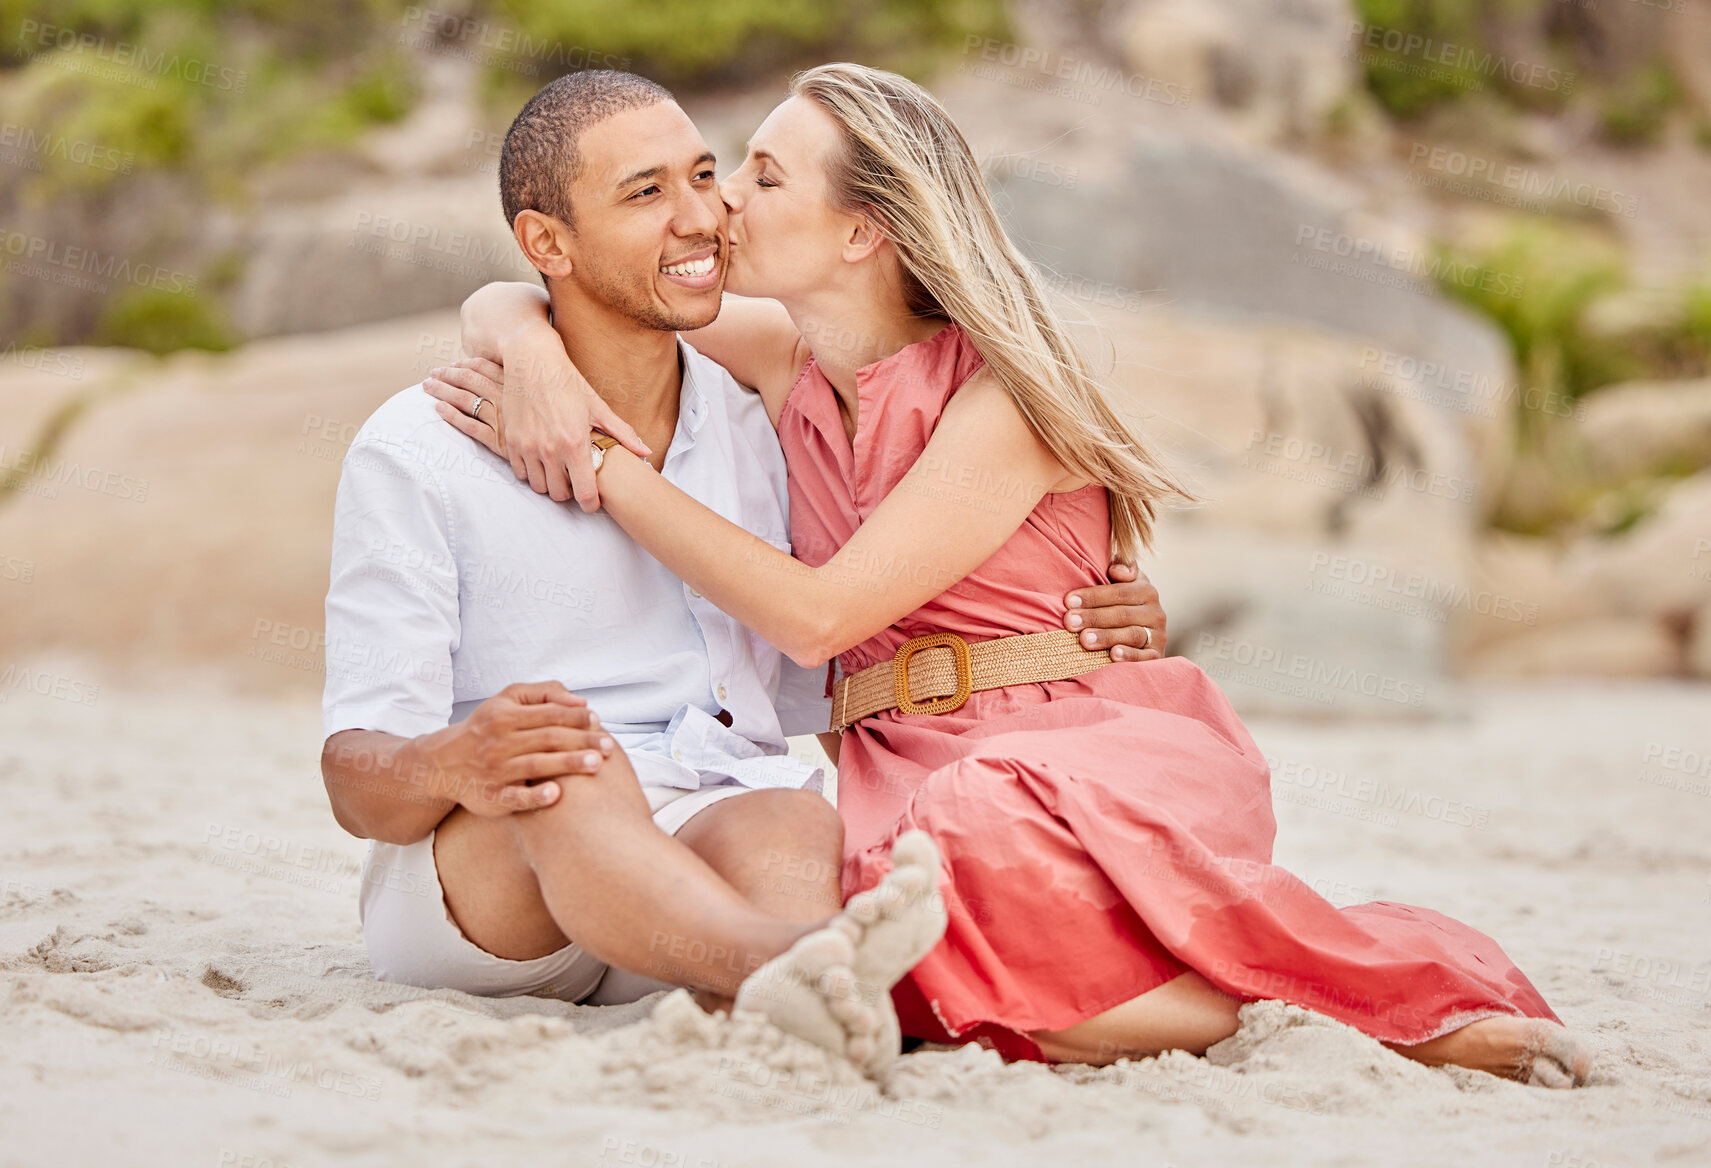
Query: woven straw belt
x,y
935,674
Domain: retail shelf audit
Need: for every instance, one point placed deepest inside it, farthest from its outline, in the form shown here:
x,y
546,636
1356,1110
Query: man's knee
x,y
613,788
805,807
803,837
767,831
798,815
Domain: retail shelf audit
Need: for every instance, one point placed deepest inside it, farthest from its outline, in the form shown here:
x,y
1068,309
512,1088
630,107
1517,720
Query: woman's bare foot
x,y
833,987
1531,1050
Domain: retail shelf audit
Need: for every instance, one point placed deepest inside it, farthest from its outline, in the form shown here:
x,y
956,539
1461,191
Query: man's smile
x,y
697,271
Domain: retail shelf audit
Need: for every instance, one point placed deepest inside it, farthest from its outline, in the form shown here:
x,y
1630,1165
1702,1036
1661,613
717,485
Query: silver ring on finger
x,y
1149,634
476,412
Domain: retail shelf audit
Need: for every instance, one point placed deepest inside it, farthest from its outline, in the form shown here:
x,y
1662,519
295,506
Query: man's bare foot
x,y
833,987
1530,1050
899,920
810,991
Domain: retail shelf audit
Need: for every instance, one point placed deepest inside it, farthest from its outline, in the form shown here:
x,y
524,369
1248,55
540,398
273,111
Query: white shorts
x,y
413,940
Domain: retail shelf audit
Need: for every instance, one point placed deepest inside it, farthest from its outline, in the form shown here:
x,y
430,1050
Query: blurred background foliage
x,y
692,43
224,85
1491,47
290,75
226,89
203,94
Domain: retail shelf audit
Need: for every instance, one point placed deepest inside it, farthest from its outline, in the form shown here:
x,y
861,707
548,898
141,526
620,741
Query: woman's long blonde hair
x,y
905,162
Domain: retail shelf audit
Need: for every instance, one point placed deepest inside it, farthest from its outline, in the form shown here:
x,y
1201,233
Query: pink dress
x,y
1100,835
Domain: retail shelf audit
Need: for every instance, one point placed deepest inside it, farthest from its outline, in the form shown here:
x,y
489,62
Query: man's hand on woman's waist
x,y
1124,616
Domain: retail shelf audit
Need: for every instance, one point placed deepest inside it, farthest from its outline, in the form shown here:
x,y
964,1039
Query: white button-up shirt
x,y
452,579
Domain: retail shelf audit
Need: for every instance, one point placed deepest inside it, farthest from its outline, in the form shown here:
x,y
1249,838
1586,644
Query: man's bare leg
x,y
833,987
699,931
781,850
595,867
1188,1013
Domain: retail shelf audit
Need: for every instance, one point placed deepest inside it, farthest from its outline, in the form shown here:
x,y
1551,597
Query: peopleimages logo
x,y
1080,75
1376,584
34,33
1477,177
1373,260
1481,63
26,251
38,144
40,474
1263,666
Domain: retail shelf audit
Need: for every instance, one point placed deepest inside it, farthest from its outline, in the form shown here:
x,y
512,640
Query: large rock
x,y
1689,48
1616,646
1278,68
1656,569
187,519
411,224
374,253
1218,229
1699,638
1320,573
1640,596
1644,427
1326,500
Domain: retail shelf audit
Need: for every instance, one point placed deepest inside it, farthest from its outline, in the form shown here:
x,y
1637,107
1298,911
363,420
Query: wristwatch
x,y
602,443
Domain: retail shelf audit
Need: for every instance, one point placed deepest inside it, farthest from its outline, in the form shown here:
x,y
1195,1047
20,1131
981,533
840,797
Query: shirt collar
x,y
692,406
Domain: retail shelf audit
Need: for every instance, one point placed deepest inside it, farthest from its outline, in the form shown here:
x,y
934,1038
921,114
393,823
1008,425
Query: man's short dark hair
x,y
540,158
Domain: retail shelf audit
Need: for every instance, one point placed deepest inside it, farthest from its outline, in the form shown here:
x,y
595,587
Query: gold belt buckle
x,y
900,674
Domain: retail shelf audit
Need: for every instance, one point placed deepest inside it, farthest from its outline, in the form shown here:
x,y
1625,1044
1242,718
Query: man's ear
x,y
864,234
545,241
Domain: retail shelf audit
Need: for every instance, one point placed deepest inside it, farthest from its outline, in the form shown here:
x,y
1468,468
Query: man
x,y
570,763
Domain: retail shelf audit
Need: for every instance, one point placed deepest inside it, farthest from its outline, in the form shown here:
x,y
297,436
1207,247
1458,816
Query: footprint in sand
x,y
833,987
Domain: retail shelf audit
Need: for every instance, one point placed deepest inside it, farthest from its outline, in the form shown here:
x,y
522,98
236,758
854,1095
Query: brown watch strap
x,y
602,439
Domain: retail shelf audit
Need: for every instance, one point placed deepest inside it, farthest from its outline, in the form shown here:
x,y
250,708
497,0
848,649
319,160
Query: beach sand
x,y
184,981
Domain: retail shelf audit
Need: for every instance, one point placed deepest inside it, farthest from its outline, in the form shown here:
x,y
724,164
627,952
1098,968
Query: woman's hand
x,y
1124,616
540,414
460,388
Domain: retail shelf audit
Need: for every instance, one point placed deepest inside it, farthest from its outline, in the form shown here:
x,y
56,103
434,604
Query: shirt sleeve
x,y
803,707
392,603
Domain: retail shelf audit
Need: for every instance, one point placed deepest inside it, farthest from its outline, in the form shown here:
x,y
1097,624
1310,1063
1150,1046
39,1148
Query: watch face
x,y
599,455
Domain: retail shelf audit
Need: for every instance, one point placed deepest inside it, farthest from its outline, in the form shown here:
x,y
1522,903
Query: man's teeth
x,y
692,267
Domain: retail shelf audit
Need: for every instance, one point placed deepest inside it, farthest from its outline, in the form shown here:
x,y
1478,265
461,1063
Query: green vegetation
x,y
1562,273
693,42
1560,348
1420,55
1406,83
1563,352
1636,110
161,322
172,104
192,87
177,104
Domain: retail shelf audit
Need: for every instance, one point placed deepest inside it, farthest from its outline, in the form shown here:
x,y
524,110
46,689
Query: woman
x,y
1106,827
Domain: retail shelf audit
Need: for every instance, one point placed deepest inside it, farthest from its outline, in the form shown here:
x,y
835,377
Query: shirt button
x,y
678,755
721,692
695,594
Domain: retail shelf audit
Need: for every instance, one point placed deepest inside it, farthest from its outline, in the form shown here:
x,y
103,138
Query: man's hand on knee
x,y
511,752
